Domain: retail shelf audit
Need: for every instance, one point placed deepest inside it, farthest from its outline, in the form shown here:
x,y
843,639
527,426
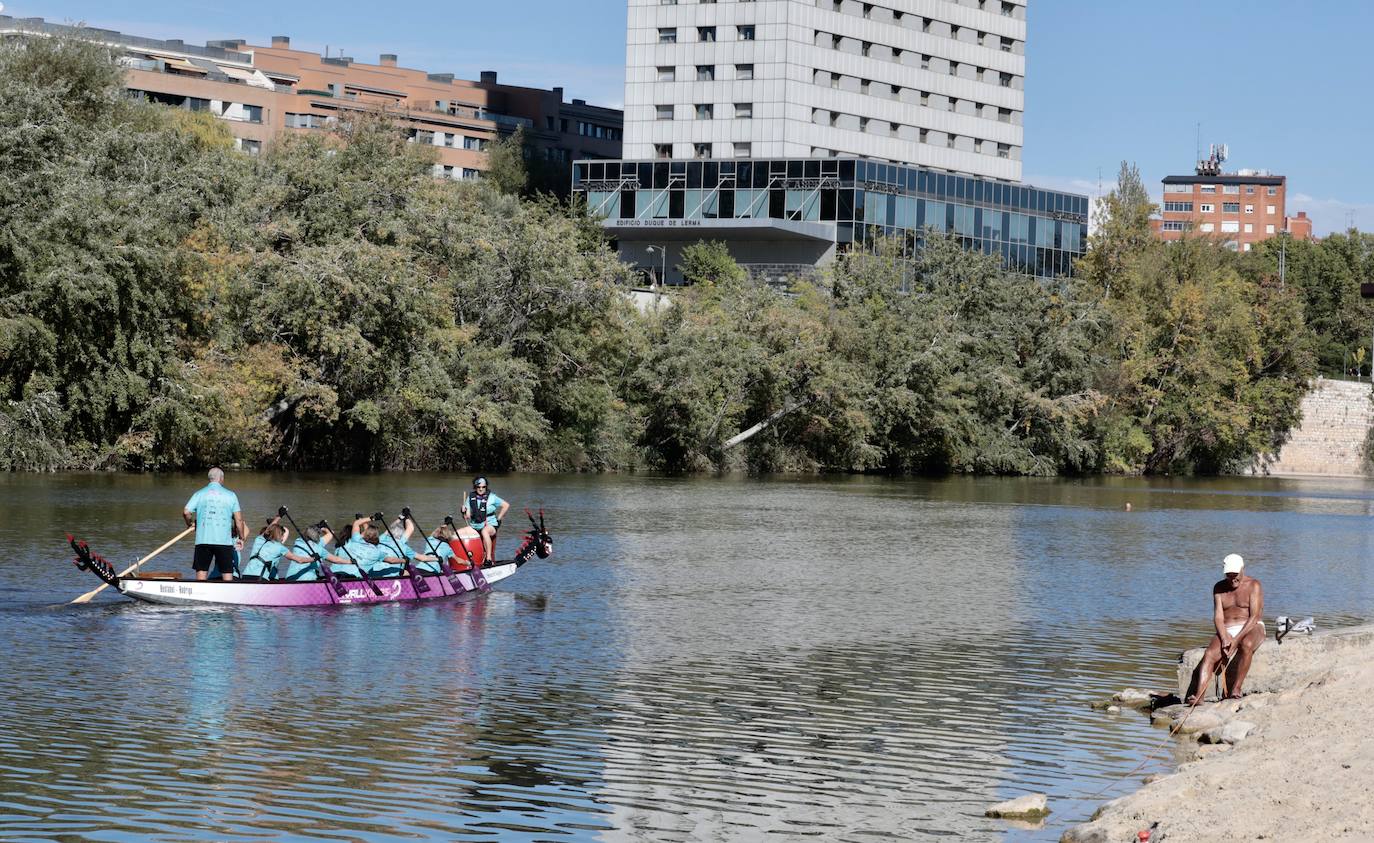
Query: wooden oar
x,y
86,598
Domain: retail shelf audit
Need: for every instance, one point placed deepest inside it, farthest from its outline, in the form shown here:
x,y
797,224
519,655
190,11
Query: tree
x,y
710,262
1122,233
507,168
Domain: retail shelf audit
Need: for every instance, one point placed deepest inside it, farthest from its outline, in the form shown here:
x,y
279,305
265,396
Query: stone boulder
x,y
1032,806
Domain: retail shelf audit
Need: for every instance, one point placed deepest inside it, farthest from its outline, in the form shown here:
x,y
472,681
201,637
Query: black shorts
x,y
220,554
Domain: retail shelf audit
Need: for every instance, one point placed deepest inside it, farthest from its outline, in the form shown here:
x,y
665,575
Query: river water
x,y
701,659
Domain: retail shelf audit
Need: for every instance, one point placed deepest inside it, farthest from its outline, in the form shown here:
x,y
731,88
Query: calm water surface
x,y
709,659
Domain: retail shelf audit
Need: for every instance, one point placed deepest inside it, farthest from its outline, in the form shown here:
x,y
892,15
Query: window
x,y
1269,229
1273,191
667,2
1206,208
1230,226
745,33
1230,207
925,62
1249,190
1004,115
1233,189
1249,209
469,174
1269,209
1178,207
667,73
1207,228
1008,10
663,150
667,35
705,111
701,150
663,112
863,124
1174,225
868,47
1249,228
1007,44
706,73
1004,79
949,140
744,110
1209,188
835,80
744,71
954,68
251,147
475,143
1246,247
742,150
953,104
706,33
1003,150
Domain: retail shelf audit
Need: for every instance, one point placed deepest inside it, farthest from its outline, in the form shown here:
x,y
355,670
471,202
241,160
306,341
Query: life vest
x,y
477,508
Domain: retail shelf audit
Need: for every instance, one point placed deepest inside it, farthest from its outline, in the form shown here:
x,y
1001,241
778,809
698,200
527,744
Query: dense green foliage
x,y
168,302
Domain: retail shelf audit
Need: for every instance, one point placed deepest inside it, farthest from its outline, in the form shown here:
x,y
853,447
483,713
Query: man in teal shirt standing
x,y
484,510
215,513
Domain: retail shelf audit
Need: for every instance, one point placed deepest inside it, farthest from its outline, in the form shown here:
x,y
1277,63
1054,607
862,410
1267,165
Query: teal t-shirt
x,y
306,571
267,558
214,508
397,548
494,502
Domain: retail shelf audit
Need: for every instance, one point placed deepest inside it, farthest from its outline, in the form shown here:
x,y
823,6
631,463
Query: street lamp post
x,y
1367,292
663,251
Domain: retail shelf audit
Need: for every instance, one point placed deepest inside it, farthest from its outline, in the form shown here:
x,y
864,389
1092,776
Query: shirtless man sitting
x,y
1238,606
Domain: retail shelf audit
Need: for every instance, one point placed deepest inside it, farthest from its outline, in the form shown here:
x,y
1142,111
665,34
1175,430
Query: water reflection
x,y
702,659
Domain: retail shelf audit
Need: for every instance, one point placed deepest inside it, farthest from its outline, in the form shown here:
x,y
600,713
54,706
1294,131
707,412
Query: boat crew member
x,y
215,513
265,563
446,537
370,554
315,540
400,547
484,510
1237,612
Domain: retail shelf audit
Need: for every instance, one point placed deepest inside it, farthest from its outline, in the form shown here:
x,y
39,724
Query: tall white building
x,y
936,83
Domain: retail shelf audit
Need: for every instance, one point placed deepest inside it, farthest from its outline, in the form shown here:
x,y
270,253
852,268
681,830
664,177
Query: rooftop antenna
x,y
1217,154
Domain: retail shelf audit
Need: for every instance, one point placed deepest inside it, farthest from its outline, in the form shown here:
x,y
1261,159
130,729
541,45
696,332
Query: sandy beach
x,y
1301,766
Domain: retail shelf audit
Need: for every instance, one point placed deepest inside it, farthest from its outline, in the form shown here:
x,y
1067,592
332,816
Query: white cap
x,y
1232,564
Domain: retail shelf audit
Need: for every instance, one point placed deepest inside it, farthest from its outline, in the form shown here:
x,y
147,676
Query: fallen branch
x,y
746,435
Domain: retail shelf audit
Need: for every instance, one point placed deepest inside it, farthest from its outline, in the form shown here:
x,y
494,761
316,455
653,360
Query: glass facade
x,y
1037,232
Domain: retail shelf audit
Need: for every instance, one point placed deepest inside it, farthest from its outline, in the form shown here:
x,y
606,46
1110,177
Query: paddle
x,y
86,598
453,581
415,579
339,588
477,578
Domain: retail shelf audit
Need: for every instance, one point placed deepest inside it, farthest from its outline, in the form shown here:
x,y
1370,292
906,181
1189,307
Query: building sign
x,y
811,184
654,223
609,185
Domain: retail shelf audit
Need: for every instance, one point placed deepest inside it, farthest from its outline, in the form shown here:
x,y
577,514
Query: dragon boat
x,y
466,582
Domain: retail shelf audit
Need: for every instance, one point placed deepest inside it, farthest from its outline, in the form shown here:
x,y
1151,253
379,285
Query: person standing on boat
x,y
484,510
214,512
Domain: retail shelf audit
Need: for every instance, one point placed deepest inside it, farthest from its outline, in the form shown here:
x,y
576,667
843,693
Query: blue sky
x,y
1107,79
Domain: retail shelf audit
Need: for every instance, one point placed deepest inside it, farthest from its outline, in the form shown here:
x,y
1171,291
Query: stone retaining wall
x,y
1336,417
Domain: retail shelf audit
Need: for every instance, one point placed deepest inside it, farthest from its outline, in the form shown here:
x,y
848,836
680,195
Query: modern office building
x,y
791,129
1243,208
262,91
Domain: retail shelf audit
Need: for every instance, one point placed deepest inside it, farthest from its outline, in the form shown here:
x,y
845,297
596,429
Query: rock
x,y
1200,721
1155,777
1029,807
1236,731
1168,714
1133,698
1211,749
1252,703
1113,709
1085,834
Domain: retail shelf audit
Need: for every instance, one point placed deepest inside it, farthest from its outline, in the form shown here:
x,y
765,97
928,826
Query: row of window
x,y
839,81
705,73
897,16
664,151
705,34
448,171
867,9
1208,208
868,125
596,130
1230,189
870,50
1227,227
705,111
451,140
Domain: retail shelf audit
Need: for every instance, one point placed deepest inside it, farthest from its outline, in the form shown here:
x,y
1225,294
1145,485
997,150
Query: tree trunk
x,y
746,435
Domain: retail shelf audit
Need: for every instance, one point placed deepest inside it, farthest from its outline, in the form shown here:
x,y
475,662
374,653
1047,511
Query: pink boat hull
x,y
294,594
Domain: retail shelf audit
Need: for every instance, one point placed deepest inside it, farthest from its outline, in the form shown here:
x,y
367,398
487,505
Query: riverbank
x,y
1300,769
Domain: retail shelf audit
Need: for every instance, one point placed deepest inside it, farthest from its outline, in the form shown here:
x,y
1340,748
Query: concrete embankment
x,y
1293,760
1336,418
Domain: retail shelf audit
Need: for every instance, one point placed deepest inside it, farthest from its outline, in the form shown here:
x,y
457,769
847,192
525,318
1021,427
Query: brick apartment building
x,y
1243,208
261,92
